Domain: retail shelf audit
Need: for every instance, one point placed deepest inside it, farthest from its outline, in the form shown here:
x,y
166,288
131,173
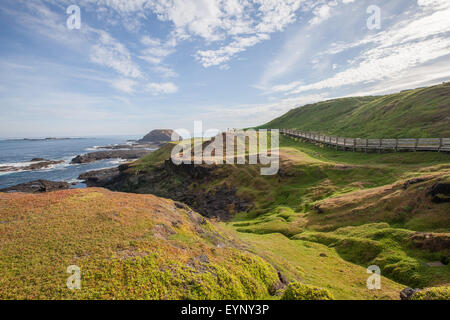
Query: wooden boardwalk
x,y
358,144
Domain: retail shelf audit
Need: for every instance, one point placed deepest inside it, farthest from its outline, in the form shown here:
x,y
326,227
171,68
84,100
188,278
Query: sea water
x,y
19,152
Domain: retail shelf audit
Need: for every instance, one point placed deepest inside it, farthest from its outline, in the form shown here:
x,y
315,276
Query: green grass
x,y
315,264
403,161
387,247
127,246
354,190
299,291
419,113
154,159
438,293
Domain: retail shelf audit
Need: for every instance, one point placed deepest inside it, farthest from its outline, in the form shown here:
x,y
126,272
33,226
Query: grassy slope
x,y
127,246
352,189
419,113
316,264
139,246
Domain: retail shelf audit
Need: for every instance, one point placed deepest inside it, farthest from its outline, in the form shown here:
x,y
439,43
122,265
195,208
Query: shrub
x,y
299,291
437,293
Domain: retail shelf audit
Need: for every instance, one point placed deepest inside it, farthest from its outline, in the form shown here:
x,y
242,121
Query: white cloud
x,y
111,53
125,85
412,42
165,72
210,58
237,22
155,48
161,88
321,14
380,64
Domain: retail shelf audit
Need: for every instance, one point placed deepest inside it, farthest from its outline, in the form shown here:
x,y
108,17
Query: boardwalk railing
x,y
420,144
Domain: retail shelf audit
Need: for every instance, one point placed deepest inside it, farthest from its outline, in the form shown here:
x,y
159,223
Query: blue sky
x,y
138,65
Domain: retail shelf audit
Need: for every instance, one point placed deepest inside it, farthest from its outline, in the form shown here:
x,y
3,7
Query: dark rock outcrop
x,y
38,186
128,146
440,192
415,181
98,178
408,293
176,182
157,137
116,154
221,203
431,241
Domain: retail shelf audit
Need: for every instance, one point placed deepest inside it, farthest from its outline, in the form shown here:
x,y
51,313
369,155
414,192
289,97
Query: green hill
x,y
418,113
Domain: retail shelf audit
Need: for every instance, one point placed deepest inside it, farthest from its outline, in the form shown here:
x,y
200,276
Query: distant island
x,y
50,138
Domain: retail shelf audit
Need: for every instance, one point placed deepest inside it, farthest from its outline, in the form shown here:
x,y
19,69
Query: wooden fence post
x,y
440,144
396,145
416,144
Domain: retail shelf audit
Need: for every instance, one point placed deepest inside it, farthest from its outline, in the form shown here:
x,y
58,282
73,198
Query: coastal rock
x,y
171,181
99,178
128,146
116,154
408,293
38,186
36,164
158,137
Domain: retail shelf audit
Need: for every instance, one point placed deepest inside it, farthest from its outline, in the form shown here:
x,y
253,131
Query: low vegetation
x,y
327,212
127,246
418,113
299,291
438,293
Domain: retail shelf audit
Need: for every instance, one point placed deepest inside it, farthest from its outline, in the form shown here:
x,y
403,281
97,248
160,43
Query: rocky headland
x,y
157,137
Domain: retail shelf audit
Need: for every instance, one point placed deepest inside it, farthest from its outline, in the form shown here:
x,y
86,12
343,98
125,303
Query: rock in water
x,y
116,154
38,186
98,178
36,164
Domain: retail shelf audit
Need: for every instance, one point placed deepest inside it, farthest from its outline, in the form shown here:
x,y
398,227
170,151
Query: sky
x,y
137,65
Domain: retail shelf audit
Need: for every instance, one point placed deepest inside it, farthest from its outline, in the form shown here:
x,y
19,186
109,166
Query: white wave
x,y
17,164
74,181
118,161
9,172
22,166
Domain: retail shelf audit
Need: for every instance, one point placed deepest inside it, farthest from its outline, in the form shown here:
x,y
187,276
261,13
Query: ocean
x,y
18,153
